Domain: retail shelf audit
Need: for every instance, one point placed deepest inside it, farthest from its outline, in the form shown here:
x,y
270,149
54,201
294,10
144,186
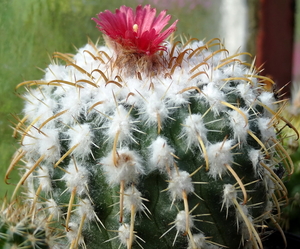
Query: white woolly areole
x,y
181,222
124,233
120,124
161,155
180,181
213,96
194,129
49,144
53,208
238,124
80,136
77,177
267,98
266,129
218,155
255,157
72,233
247,93
86,209
44,142
44,179
133,197
229,194
154,110
198,240
126,167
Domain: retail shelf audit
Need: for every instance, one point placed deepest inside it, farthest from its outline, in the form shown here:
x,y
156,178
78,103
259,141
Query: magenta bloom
x,y
139,31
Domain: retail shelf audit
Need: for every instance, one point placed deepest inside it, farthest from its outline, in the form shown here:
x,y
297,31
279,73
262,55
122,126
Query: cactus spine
x,y
148,143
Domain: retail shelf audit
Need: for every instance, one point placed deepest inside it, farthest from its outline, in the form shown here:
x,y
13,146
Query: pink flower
x,y
138,32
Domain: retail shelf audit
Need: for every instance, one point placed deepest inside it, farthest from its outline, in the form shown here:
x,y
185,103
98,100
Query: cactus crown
x,y
143,145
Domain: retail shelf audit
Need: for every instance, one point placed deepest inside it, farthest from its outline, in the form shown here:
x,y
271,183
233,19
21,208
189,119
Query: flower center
x,y
135,28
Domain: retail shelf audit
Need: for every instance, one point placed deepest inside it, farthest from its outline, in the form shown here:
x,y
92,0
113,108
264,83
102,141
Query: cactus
x,y
149,143
18,229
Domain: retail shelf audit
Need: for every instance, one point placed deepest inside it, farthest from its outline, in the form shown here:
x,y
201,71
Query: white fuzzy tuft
x,y
181,222
124,233
53,208
82,137
86,209
213,96
255,156
229,194
266,128
219,154
44,142
267,98
247,93
49,144
154,110
133,197
77,176
180,181
72,233
239,125
44,179
194,129
127,167
120,124
161,155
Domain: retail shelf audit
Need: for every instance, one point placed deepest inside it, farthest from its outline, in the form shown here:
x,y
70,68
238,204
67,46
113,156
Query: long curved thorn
x,y
32,82
113,82
227,62
102,74
51,118
239,78
275,200
17,157
122,188
33,205
105,54
236,55
200,140
280,230
132,221
189,41
173,48
70,206
291,163
21,122
239,181
79,230
190,88
64,82
236,109
62,56
259,142
250,227
198,65
25,176
186,210
276,114
65,155
214,53
278,180
88,82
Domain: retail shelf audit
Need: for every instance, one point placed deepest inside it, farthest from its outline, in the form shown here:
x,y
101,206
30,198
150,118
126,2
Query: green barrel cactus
x,y
150,143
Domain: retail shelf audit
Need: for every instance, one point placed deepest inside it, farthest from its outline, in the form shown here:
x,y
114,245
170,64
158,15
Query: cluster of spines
x,y
41,140
20,228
